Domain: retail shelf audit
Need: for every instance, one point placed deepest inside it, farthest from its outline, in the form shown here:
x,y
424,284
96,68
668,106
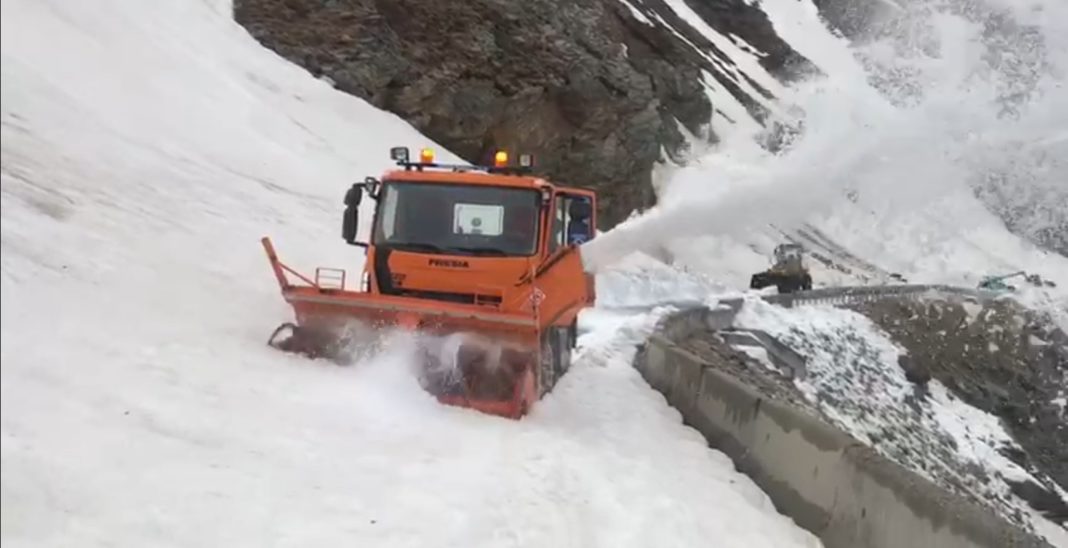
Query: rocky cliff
x,y
598,90
1006,361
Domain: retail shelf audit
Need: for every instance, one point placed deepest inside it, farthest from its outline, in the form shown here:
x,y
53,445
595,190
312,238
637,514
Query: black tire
x,y
556,358
563,351
547,364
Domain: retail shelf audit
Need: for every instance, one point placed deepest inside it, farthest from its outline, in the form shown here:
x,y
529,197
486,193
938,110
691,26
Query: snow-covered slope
x,y
146,148
895,138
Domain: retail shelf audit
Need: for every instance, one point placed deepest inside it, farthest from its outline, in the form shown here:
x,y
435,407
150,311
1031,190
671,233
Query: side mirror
x,y
354,195
350,218
372,185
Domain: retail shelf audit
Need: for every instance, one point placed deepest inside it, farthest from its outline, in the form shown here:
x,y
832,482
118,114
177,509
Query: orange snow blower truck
x,y
481,263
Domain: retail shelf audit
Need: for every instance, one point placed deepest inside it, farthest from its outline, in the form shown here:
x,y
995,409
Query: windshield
x,y
458,219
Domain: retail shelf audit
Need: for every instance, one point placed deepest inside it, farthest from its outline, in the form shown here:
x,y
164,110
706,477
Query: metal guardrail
x,y
850,295
721,318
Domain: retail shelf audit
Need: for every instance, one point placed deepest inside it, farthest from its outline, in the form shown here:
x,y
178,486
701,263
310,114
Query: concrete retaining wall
x,y
829,483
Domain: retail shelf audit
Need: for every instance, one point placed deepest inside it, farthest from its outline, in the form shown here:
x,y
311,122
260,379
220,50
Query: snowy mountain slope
x,y
146,148
739,88
891,182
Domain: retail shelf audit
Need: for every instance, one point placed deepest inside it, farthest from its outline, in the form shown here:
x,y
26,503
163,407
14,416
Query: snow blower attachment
x,y
481,262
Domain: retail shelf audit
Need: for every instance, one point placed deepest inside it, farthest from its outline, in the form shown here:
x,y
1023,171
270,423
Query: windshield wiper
x,y
481,251
420,246
415,246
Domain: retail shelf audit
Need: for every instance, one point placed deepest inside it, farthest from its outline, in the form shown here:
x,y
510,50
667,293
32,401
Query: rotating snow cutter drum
x,y
341,342
470,370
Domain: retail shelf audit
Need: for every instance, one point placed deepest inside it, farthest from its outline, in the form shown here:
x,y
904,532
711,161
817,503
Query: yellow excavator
x,y
789,272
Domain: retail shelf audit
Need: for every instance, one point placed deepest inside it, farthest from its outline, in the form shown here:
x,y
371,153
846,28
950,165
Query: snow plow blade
x,y
471,356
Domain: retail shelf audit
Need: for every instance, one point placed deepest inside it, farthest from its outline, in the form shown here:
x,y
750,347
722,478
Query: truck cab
x,y
465,234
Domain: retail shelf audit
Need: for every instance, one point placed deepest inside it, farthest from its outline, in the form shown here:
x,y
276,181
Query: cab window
x,y
570,221
556,232
579,226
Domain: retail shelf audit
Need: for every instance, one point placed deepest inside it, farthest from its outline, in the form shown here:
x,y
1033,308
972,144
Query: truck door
x,y
570,221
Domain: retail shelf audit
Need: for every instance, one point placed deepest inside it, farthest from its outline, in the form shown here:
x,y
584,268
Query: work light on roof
x,y
526,160
426,156
399,154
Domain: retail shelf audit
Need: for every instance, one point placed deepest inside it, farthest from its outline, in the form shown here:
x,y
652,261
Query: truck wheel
x,y
563,361
547,363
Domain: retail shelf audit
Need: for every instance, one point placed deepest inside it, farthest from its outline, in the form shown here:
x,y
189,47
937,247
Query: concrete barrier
x,y
829,483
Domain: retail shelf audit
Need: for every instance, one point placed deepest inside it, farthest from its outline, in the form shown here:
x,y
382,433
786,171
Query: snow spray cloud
x,y
946,96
